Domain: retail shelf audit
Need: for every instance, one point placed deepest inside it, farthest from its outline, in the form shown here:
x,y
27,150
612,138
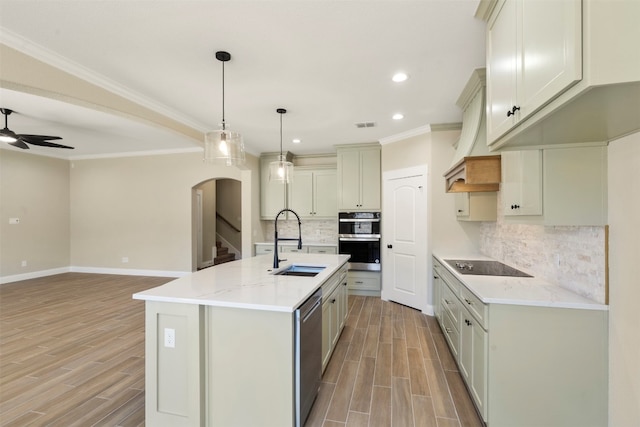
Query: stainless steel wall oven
x,y
359,236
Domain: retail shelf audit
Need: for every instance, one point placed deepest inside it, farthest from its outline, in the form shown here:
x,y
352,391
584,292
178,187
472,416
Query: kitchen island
x,y
219,343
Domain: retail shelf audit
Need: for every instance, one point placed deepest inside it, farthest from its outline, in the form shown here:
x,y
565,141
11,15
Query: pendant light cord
x,y
281,135
223,123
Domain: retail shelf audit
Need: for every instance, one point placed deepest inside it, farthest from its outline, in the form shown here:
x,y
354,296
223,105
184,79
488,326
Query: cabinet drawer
x,y
450,304
477,308
323,250
451,334
294,249
264,249
360,282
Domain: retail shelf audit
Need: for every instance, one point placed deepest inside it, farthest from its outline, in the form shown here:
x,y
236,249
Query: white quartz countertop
x,y
248,283
518,290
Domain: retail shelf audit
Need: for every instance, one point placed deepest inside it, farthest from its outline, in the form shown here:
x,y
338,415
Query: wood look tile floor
x,y
391,367
72,354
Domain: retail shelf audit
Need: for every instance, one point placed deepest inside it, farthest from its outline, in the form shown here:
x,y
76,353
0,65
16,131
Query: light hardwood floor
x,y
72,354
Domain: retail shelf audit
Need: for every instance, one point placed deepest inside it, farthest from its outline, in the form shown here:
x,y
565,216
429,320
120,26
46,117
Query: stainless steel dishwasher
x,y
308,355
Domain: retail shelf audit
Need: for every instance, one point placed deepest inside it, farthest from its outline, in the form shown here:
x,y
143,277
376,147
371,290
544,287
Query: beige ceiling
x,y
329,63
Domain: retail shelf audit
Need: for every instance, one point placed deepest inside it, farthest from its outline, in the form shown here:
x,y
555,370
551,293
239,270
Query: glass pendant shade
x,y
224,147
281,170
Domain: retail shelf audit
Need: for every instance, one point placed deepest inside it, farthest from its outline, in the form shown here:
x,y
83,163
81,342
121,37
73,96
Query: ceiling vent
x,y
365,124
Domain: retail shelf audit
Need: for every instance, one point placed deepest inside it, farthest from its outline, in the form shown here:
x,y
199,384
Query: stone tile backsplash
x,y
570,257
313,231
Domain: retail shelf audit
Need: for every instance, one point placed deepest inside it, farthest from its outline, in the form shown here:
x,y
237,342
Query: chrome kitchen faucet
x,y
276,260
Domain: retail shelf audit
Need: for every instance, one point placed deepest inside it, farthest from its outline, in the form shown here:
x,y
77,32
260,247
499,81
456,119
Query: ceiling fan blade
x,y
41,140
37,137
19,144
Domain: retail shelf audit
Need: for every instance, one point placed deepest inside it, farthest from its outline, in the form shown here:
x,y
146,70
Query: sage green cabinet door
x,y
348,180
534,53
359,179
325,194
313,193
522,182
301,194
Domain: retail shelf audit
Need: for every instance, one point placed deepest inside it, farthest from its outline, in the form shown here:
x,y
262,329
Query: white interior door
x,y
404,237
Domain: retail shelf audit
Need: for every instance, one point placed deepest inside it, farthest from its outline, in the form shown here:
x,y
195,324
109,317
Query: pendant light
x,y
223,146
281,170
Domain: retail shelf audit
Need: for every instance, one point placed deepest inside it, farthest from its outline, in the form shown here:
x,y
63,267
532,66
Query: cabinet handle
x,y
512,112
435,277
515,206
447,302
390,246
359,282
447,330
468,302
333,301
467,322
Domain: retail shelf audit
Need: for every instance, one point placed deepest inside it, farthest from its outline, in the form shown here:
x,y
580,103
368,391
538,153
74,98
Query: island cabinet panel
x,y
250,355
177,396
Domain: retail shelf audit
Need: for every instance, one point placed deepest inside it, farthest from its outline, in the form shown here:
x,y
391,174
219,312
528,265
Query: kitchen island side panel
x,y
547,366
250,360
174,386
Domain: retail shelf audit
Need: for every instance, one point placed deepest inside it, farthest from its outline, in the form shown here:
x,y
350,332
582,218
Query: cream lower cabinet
x,y
526,365
334,313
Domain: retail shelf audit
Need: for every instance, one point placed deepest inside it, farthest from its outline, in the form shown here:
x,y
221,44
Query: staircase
x,y
223,255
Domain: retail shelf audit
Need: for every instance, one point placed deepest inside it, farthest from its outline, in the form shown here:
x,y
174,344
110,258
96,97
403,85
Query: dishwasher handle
x,y
310,312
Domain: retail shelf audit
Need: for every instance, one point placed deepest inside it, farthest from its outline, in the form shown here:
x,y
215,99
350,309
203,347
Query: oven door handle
x,y
359,220
359,239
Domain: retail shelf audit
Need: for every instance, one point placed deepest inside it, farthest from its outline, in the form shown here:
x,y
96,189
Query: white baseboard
x,y
95,270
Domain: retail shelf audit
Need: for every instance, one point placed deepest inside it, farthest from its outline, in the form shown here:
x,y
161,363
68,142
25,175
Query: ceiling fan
x,y
21,140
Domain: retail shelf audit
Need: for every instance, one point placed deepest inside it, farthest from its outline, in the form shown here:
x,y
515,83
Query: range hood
x,y
472,168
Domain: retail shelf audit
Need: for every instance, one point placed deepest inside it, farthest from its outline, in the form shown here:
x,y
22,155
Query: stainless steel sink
x,y
300,270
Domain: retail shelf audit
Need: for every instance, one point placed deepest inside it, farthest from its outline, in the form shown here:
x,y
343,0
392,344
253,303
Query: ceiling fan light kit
x,y
21,140
223,146
281,170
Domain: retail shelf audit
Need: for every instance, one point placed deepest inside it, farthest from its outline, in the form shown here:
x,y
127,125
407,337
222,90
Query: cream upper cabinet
x,y
522,182
570,66
312,193
534,52
359,178
273,195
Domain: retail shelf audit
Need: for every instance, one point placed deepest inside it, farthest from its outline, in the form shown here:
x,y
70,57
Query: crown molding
x,y
405,135
53,59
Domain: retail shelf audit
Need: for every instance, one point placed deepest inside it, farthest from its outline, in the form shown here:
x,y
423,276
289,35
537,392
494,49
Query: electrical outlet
x,y
125,259
169,337
24,263
14,220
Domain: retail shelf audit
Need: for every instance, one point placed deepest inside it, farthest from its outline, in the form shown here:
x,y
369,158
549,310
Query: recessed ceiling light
x,y
398,116
399,77
296,141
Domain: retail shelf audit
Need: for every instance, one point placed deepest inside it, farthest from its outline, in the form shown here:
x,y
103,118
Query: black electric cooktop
x,y
484,268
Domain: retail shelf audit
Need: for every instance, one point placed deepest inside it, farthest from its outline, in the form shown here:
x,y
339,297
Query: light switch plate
x,y
169,337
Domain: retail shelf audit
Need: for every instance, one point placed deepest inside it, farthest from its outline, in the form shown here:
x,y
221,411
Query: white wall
x,y
624,282
140,208
34,189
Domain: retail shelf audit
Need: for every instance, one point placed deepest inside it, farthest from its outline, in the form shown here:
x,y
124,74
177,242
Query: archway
x,y
217,221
